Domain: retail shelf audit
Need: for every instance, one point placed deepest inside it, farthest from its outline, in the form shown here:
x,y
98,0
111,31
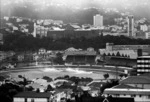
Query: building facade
x,y
143,64
137,87
73,33
32,97
80,57
98,20
130,21
145,48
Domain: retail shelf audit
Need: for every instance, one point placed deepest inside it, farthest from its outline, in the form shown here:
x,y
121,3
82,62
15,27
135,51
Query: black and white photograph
x,y
74,50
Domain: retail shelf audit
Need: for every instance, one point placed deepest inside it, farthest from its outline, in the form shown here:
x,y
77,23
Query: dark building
x,y
80,57
73,32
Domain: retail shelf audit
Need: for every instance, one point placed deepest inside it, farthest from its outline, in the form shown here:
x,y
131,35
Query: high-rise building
x,y
34,31
98,20
130,20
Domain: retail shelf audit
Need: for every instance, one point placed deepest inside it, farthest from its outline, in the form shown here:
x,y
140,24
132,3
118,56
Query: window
x,y
133,95
32,100
148,96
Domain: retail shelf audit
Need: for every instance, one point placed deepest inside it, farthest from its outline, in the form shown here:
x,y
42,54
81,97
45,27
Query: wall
x,y
19,100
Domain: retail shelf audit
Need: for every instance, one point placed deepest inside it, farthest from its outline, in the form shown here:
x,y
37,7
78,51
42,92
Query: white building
x,y
147,35
34,31
39,30
144,28
98,20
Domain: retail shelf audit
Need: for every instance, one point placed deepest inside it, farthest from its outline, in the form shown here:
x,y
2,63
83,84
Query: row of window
x,y
142,65
143,61
143,70
133,95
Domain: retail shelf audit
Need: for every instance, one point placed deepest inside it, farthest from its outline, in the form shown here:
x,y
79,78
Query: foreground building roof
x,y
136,80
114,91
31,94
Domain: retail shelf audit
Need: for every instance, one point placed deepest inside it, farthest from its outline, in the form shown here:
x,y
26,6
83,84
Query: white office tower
x,y
130,21
34,32
98,21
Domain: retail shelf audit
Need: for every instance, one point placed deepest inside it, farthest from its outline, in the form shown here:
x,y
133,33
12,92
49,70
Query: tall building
x,y
98,20
130,20
34,31
143,64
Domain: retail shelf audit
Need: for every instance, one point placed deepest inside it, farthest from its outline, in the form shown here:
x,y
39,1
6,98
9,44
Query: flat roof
x,y
33,94
144,57
136,80
80,53
124,86
127,91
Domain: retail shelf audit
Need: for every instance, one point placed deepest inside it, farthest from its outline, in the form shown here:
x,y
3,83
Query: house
x,y
32,97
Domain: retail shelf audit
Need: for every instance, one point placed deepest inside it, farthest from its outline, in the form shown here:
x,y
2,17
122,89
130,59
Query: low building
x,y
137,87
73,31
32,97
112,47
143,64
80,57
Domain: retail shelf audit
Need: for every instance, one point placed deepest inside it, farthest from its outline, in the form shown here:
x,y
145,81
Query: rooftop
x,y
80,53
123,86
32,94
144,57
136,80
127,91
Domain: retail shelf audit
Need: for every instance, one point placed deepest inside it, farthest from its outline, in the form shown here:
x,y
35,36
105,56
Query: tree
x,y
59,59
123,55
108,54
106,76
118,54
113,54
49,88
30,88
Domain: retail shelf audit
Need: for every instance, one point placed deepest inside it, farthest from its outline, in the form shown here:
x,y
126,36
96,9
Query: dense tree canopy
x,y
21,42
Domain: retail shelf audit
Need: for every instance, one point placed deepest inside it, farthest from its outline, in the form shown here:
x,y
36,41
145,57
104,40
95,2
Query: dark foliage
x,y
20,42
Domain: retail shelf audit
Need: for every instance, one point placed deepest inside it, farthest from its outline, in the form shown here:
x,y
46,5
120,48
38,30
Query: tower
x,y
130,20
98,20
34,32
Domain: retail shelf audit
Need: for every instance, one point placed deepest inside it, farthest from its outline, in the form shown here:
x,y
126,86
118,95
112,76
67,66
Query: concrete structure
x,y
98,21
80,57
34,31
73,33
130,20
143,64
41,31
32,97
144,28
137,87
147,35
112,47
